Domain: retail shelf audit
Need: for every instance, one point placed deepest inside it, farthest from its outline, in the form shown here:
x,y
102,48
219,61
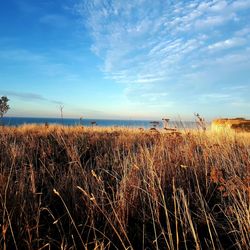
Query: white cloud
x,y
213,21
243,32
147,79
220,97
233,59
241,104
236,88
227,44
240,4
217,96
159,43
219,6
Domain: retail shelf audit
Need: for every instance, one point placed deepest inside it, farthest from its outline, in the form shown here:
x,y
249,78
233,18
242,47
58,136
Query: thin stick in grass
x,y
70,216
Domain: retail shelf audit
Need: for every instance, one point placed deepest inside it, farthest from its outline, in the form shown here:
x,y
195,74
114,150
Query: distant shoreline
x,y
16,121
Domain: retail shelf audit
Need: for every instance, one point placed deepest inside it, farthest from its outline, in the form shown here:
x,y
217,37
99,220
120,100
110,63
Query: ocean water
x,y
16,121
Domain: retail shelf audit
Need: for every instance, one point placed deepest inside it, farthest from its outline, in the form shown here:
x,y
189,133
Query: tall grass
x,y
117,188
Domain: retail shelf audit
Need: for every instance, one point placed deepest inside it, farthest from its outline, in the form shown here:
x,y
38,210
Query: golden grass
x,y
237,124
119,188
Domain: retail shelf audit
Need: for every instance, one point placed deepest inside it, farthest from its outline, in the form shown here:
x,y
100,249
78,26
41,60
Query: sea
x,y
16,121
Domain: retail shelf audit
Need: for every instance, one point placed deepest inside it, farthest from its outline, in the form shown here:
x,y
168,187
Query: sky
x,y
133,59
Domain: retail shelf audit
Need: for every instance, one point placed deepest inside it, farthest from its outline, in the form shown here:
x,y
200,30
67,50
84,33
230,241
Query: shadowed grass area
x,y
117,188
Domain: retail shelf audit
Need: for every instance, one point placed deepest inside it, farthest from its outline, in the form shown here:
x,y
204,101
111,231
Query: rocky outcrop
x,y
235,124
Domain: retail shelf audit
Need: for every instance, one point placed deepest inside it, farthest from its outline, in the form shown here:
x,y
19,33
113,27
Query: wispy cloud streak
x,y
27,96
161,42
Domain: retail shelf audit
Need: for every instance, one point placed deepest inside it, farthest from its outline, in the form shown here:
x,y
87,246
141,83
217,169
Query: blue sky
x,y
120,59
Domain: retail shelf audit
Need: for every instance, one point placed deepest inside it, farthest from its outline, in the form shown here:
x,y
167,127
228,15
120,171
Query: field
x,y
118,188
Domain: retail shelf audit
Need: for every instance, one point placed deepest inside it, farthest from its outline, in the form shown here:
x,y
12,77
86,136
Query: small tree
x,y
4,107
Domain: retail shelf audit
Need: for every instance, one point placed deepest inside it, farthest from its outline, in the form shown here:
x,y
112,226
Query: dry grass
x,y
117,188
236,124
